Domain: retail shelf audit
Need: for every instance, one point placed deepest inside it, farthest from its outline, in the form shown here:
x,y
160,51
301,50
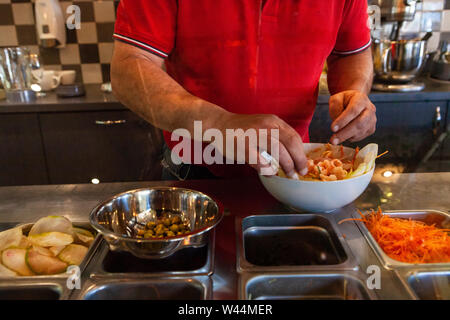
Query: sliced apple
x,y
10,238
44,264
50,239
5,272
73,254
52,224
14,259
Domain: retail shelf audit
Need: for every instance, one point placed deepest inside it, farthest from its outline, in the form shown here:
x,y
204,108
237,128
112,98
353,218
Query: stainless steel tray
x,y
304,286
118,265
440,218
44,286
264,242
162,288
428,285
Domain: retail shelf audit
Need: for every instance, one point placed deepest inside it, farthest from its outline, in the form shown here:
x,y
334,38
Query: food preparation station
x,y
261,249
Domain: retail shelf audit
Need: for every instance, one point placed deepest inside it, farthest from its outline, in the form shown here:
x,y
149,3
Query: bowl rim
x,y
104,231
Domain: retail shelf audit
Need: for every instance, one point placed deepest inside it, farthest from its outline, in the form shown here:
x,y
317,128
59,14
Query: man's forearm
x,y
354,72
139,82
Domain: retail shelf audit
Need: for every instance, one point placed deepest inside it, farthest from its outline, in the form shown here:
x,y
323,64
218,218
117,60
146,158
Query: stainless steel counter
x,y
242,198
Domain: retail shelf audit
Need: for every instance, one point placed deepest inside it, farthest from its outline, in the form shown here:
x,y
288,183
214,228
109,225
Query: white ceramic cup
x,y
67,76
49,81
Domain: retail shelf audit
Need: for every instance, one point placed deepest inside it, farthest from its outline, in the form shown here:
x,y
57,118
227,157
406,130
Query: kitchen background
x,y
89,49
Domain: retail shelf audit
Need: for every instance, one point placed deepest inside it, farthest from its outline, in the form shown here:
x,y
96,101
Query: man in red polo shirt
x,y
245,64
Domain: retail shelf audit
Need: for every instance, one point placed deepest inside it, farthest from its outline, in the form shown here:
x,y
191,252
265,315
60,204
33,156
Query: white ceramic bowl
x,y
316,196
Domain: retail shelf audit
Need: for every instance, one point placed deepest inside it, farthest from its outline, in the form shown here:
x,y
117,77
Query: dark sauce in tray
x,y
187,259
290,247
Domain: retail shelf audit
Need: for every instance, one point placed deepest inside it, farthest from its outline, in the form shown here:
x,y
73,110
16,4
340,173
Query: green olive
x,y
166,222
140,232
159,231
151,224
174,228
148,235
170,234
176,219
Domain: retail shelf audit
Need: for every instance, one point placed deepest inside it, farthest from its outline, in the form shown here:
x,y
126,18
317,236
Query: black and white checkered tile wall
x,y
88,50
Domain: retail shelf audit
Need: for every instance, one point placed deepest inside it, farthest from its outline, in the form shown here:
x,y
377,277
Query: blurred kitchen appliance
x,y
397,61
396,10
440,66
15,74
397,64
50,24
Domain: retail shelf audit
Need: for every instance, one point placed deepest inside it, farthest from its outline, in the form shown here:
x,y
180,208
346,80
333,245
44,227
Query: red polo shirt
x,y
247,56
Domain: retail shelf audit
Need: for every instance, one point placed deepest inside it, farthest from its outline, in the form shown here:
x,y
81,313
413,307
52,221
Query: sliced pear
x,y
83,236
56,250
10,238
73,254
5,272
51,239
44,264
14,259
52,224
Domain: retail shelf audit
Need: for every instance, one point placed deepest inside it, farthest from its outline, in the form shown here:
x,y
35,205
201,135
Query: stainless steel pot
x,y
119,217
398,61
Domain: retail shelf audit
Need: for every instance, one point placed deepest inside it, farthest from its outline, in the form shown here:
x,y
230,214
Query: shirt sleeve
x,y
354,33
147,24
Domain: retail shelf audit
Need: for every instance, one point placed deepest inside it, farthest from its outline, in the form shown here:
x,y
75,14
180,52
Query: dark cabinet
x,y
21,153
110,146
406,129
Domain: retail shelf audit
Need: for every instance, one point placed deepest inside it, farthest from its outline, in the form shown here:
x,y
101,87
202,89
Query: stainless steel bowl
x,y
119,217
398,61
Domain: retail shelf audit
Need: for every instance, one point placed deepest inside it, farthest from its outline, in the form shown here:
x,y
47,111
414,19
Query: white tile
x,y
92,73
433,42
22,13
8,36
431,21
432,5
412,26
87,33
5,1
105,50
104,11
70,54
445,24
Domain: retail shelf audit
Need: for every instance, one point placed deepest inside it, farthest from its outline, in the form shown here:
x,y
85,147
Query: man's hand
x,y
292,157
353,116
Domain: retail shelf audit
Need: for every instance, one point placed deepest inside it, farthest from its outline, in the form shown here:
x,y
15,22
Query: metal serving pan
x,y
305,286
122,265
291,243
169,288
441,219
426,285
43,286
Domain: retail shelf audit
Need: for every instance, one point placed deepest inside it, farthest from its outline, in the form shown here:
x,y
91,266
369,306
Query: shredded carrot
x,y
408,240
380,155
354,156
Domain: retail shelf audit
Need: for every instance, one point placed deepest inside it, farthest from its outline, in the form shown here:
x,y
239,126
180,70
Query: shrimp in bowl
x,y
336,176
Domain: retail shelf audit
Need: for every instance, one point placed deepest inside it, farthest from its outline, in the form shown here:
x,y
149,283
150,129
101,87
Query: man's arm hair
x,y
352,72
140,83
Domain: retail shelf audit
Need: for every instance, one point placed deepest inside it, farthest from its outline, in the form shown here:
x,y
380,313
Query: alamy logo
x,y
374,280
73,281
74,19
237,146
